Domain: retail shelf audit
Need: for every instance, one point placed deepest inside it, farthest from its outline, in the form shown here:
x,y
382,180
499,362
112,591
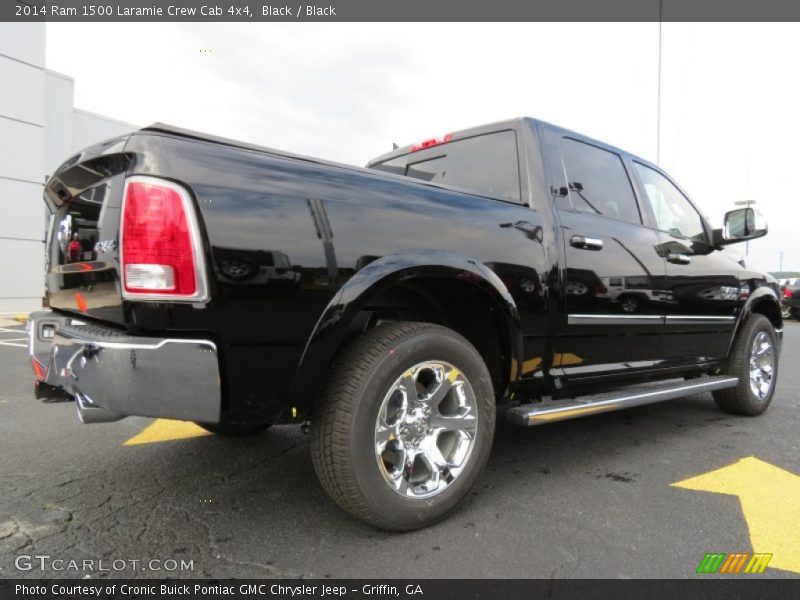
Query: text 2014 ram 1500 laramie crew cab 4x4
x,y
516,269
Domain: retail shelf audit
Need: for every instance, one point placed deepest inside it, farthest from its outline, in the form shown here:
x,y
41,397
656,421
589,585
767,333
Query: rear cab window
x,y
485,164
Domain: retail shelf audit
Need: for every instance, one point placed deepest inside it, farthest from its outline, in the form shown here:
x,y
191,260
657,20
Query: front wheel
x,y
754,360
405,425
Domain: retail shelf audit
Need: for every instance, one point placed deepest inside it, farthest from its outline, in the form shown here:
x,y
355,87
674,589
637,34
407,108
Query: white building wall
x,y
22,165
60,94
39,129
89,128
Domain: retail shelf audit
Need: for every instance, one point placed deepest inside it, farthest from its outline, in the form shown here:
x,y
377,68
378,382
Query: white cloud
x,y
347,91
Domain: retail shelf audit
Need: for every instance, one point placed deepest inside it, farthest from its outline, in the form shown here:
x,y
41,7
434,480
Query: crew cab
x,y
516,270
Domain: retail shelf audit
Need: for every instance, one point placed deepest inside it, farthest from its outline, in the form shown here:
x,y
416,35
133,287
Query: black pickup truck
x,y
516,270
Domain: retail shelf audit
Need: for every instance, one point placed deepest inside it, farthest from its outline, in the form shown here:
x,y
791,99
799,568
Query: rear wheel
x,y
630,304
405,425
754,360
234,429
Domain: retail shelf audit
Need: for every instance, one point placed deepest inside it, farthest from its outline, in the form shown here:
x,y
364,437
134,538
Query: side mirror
x,y
740,225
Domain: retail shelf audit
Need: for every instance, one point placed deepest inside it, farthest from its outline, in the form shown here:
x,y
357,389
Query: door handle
x,y
679,259
586,243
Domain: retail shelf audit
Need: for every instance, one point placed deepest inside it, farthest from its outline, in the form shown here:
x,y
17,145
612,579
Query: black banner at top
x,y
404,10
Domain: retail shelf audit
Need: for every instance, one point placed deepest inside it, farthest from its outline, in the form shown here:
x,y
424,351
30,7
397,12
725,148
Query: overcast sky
x,y
730,93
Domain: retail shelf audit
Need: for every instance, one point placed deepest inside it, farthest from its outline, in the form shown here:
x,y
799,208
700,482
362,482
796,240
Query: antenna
x,y
658,100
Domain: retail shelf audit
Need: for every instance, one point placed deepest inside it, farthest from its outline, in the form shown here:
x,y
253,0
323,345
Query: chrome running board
x,y
539,413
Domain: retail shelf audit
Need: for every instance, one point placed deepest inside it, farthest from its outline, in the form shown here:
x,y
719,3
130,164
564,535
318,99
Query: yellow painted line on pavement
x,y
564,359
531,365
770,499
166,430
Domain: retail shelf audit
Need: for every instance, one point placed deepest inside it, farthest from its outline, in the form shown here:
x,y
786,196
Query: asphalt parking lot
x,y
587,498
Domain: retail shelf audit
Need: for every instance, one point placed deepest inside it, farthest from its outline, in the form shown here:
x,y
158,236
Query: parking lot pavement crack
x,y
217,553
8,529
75,479
271,569
27,541
251,466
557,571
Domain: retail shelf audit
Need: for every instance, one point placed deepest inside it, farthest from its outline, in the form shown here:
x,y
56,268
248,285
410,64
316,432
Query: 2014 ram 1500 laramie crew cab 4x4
x,y
516,269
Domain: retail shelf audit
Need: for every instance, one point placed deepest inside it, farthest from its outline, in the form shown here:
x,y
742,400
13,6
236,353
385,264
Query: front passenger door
x,y
702,283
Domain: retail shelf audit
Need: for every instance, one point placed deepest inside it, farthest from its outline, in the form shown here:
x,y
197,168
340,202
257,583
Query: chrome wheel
x,y
762,365
425,429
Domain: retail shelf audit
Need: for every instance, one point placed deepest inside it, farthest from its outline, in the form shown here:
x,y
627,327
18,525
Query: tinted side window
x,y
673,212
598,182
484,164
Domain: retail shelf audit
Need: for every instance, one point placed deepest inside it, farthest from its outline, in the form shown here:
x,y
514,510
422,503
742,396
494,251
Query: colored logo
x,y
735,562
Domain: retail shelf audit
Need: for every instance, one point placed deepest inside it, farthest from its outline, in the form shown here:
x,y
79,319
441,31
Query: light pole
x,y
746,204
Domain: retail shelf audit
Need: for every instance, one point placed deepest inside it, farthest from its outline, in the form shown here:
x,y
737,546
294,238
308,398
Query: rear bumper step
x,y
112,374
558,410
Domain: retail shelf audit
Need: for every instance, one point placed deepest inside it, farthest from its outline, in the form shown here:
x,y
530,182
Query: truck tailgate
x,y
83,198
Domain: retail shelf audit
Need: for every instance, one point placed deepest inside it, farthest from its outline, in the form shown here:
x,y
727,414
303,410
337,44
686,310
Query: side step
x,y
540,413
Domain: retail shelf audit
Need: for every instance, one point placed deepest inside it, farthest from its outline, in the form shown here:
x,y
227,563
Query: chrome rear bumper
x,y
112,374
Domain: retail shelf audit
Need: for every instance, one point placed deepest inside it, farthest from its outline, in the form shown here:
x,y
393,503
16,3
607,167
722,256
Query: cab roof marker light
x,y
448,137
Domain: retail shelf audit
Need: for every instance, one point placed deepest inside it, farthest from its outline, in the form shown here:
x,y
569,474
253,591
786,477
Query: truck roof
x,y
456,135
515,124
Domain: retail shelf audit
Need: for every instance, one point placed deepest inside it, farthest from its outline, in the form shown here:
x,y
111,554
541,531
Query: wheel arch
x,y
763,301
419,285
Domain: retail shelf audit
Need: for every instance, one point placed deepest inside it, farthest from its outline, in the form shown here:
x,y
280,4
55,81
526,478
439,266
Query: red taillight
x,y
160,253
432,142
787,293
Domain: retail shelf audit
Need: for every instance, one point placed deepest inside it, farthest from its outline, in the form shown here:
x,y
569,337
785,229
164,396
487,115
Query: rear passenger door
x,y
612,275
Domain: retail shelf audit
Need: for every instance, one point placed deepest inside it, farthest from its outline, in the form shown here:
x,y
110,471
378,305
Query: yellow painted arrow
x,y
166,430
770,498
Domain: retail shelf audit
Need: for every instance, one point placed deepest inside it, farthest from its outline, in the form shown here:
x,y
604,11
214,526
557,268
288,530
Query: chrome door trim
x,y
698,319
582,319
588,319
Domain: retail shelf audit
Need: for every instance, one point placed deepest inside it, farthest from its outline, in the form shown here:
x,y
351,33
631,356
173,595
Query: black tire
x,y
343,425
742,400
795,312
234,429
